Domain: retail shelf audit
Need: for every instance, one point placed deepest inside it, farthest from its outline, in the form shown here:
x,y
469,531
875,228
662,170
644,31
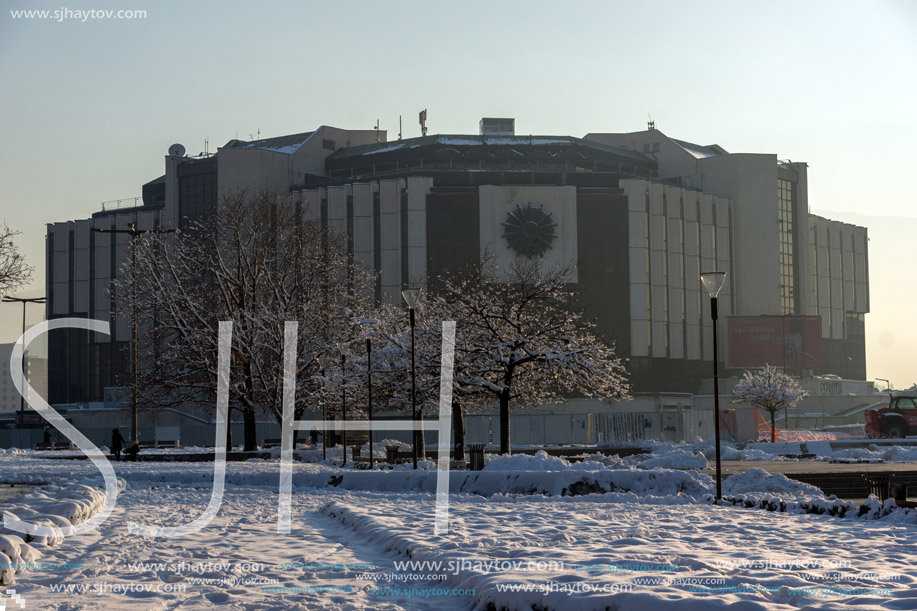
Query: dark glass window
x,y
786,209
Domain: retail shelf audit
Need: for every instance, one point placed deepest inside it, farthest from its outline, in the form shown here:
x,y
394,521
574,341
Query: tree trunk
x,y
773,426
458,429
504,423
248,423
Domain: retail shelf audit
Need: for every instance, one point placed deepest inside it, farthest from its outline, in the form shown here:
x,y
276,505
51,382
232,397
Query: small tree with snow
x,y
520,340
770,390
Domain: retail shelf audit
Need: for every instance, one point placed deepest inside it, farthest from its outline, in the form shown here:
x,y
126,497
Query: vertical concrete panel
x,y
61,265
311,206
363,223
390,210
337,210
418,188
693,339
639,338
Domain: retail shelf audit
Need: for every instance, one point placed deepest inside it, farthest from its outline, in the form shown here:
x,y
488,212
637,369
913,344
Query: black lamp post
x,y
713,282
344,407
324,415
411,296
369,393
23,301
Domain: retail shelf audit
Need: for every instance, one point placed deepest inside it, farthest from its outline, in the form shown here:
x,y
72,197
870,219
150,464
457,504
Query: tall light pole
x,y
369,394
713,282
327,360
324,419
23,301
135,333
344,405
411,296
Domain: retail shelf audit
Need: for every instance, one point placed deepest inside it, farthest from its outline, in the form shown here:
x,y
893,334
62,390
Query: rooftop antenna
x,y
650,125
377,130
206,147
399,127
423,122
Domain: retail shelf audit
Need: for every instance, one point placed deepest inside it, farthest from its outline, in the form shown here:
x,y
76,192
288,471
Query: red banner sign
x,y
791,342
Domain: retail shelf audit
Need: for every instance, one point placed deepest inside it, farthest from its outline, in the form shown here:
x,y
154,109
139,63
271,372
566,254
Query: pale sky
x,y
90,108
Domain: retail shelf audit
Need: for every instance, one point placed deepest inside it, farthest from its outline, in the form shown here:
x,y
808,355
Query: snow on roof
x,y
281,144
698,151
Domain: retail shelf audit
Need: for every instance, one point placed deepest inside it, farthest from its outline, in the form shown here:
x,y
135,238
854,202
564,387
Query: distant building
x,y
36,371
640,215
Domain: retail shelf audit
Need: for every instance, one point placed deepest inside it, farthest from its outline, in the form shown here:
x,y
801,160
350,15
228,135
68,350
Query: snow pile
x,y
15,554
539,475
858,454
541,461
899,454
55,507
675,459
878,454
729,452
757,481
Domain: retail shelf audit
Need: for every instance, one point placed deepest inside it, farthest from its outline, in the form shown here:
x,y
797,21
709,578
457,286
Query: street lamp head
x,y
713,282
411,297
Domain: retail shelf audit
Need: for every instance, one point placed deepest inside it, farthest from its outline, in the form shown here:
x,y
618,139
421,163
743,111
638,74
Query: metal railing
x,y
480,165
118,204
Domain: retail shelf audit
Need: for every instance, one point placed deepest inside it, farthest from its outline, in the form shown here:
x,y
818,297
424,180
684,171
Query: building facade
x,y
638,216
36,372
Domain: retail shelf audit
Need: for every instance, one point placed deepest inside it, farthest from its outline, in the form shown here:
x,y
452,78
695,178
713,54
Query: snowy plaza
x,y
519,537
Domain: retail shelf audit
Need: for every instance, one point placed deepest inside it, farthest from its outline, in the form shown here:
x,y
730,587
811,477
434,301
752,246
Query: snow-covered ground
x,y
365,540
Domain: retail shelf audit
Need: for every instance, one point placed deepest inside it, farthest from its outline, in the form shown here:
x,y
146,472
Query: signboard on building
x,y
789,342
30,419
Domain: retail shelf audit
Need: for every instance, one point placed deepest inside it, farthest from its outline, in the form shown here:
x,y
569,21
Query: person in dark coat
x,y
46,438
117,444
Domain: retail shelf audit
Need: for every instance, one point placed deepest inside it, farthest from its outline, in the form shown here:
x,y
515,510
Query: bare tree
x,y
13,269
256,263
520,340
769,389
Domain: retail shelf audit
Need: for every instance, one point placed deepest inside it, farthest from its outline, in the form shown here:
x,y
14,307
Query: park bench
x,y
57,445
275,442
159,443
880,484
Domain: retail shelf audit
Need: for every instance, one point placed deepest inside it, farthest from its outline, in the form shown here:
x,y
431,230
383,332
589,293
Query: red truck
x,y
899,419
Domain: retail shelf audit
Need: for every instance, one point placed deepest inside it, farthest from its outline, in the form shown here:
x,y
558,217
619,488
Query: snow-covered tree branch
x,y
258,264
14,272
768,389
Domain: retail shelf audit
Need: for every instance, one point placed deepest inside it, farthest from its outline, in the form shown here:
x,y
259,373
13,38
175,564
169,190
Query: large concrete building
x,y
639,215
